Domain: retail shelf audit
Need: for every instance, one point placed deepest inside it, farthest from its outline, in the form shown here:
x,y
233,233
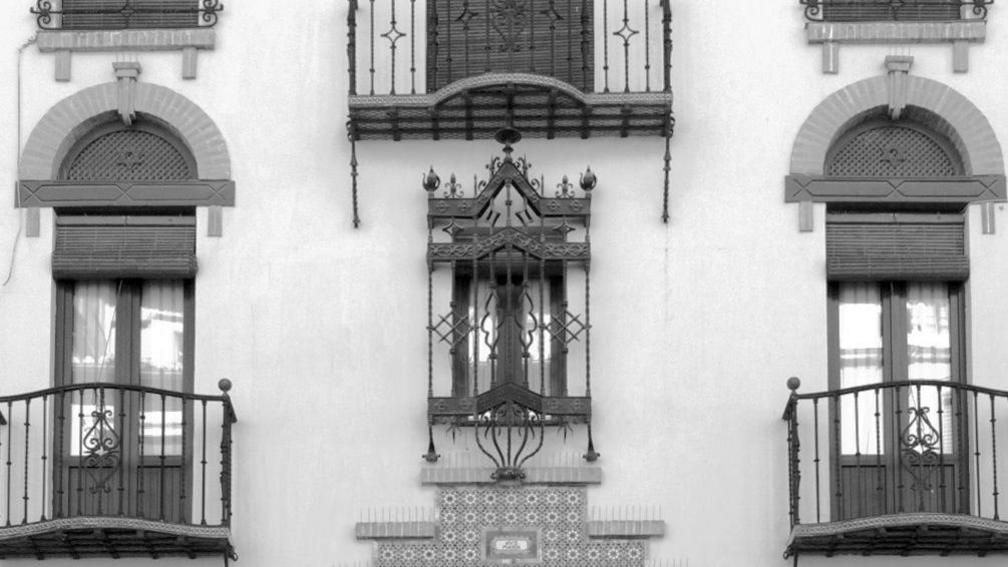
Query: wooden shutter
x,y
102,247
893,246
875,11
122,14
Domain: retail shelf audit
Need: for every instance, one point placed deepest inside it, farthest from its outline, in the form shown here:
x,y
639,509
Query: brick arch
x,y
964,124
73,116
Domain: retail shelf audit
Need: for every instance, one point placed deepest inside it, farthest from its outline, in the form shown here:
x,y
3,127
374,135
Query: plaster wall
x,y
696,323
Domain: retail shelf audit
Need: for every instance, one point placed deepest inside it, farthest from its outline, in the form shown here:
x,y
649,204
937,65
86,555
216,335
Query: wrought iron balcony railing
x,y
125,14
895,10
466,68
111,470
897,468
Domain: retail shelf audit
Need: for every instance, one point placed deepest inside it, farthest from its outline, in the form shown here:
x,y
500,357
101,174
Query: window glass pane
x,y
94,319
929,357
162,330
512,346
861,356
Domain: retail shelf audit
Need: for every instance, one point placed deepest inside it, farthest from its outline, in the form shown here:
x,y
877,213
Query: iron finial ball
x,y
588,179
224,384
431,181
508,136
793,383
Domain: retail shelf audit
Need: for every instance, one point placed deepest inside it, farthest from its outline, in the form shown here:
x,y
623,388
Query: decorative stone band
x,y
188,41
901,533
823,189
570,475
102,522
960,34
209,192
626,528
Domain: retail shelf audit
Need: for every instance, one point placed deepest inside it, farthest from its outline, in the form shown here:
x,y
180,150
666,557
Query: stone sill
x,y
831,34
534,475
114,40
626,528
395,530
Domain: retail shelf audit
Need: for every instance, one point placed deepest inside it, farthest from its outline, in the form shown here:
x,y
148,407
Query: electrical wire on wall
x,y
17,157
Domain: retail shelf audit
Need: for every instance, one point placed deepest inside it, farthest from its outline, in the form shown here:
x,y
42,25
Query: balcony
x,y
106,470
549,68
895,10
897,468
125,14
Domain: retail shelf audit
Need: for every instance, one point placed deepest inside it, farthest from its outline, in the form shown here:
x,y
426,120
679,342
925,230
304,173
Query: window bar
x,y
140,463
448,28
993,422
122,438
58,454
542,302
371,51
203,464
412,53
393,35
80,453
570,40
552,14
605,45
430,321
492,343
794,463
941,452
486,37
228,417
526,336
466,18
857,453
880,494
27,447
920,457
352,46
976,451
45,448
161,463
97,424
837,439
816,460
898,448
532,43
667,43
587,310
432,33
477,322
185,464
10,423
626,33
647,47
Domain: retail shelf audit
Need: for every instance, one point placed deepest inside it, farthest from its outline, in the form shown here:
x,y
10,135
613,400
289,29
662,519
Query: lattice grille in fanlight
x,y
129,155
892,151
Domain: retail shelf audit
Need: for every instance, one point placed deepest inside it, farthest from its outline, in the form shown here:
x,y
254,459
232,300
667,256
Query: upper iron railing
x,y
125,14
106,449
895,10
417,46
895,448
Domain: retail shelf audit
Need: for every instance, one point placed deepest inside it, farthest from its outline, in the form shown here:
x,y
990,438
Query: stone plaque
x,y
511,547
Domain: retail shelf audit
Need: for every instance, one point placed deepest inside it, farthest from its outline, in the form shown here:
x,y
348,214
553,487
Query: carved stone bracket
x,y
127,73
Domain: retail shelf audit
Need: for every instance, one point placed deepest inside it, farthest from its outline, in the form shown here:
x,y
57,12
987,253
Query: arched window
x,y
142,151
880,147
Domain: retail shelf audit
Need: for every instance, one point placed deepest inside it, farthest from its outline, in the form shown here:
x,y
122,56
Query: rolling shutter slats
x,y
106,14
892,247
124,247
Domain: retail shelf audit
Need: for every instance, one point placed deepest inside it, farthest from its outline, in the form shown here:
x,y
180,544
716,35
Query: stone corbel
x,y
126,73
898,68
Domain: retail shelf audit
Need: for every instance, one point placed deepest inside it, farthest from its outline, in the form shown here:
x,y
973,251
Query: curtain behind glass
x,y
861,354
92,359
929,357
162,332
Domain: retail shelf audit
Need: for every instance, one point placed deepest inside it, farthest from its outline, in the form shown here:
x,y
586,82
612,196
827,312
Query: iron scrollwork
x,y
207,12
504,435
101,446
919,444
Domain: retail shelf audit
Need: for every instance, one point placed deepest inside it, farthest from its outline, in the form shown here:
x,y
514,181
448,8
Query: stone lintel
x,y
896,32
115,40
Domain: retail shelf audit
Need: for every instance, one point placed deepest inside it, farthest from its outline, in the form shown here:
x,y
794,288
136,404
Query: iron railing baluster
x,y
976,450
203,464
161,462
27,452
941,451
45,455
857,454
141,469
647,47
352,47
371,38
605,46
412,46
994,471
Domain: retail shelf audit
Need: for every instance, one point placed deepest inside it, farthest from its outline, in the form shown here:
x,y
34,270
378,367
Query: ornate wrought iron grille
x,y
895,10
130,154
893,150
125,14
504,335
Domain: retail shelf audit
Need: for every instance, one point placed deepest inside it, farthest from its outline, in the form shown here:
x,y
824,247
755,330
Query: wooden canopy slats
x,y
902,534
112,537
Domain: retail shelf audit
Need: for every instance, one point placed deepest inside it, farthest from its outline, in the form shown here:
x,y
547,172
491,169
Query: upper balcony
x,y
466,68
835,22
897,468
109,470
